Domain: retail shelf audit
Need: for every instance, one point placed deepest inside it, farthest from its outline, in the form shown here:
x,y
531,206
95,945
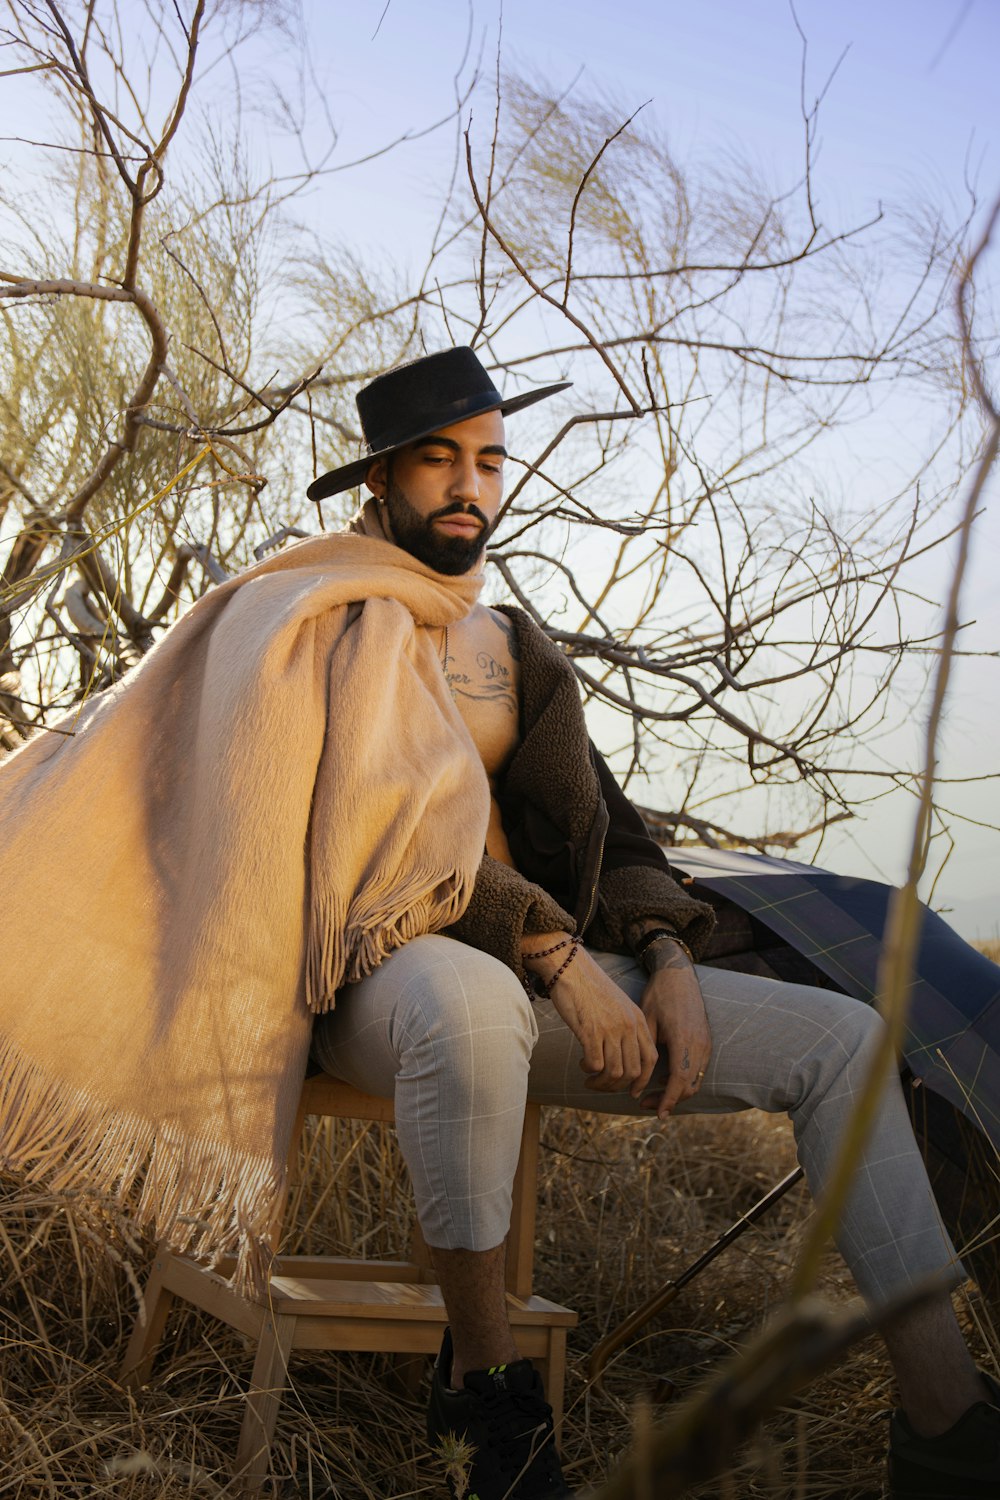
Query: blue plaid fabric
x,y
836,922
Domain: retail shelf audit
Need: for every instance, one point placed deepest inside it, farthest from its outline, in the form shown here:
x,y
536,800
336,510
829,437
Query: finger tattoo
x,y
686,1060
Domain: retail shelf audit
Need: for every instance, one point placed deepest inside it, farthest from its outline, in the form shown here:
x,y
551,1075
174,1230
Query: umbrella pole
x,y
613,1341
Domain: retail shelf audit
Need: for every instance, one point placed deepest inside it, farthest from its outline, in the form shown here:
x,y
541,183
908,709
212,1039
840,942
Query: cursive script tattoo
x,y
491,685
490,680
685,1060
459,682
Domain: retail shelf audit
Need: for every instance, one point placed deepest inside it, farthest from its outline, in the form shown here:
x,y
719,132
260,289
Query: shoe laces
x,y
519,1423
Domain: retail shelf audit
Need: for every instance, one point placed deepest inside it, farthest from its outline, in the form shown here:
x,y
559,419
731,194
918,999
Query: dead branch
x,y
593,341
17,287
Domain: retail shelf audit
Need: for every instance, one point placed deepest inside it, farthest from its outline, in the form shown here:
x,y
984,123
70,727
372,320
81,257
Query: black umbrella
x,y
836,922
794,922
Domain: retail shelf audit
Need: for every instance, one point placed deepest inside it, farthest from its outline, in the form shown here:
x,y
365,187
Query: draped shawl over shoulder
x,y
281,793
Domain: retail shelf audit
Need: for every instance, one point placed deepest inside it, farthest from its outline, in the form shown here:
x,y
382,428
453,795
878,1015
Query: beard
x,y
415,533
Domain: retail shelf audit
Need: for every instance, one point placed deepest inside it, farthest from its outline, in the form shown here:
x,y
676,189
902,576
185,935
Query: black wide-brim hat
x,y
419,398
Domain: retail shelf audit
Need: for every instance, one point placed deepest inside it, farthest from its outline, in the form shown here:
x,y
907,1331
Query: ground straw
x,y
623,1205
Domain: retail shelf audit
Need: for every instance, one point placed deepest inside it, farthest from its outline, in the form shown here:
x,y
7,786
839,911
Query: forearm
x,y
674,1010
617,1046
544,955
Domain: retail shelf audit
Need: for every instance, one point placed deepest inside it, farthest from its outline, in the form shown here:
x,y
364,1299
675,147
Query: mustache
x,y
458,508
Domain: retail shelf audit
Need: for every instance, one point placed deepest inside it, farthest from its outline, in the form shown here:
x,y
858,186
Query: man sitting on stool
x,y
572,979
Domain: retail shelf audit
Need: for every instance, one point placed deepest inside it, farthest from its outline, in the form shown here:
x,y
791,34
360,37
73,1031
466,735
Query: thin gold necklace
x,y
444,663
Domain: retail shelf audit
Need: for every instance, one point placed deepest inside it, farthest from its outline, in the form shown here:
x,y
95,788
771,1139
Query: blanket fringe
x,y
195,1195
326,951
386,913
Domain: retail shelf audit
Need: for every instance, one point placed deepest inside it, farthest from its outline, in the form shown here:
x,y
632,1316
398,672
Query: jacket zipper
x,y
595,856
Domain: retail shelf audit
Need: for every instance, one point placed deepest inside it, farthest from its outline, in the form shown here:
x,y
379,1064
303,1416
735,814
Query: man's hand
x,y
618,1050
675,1015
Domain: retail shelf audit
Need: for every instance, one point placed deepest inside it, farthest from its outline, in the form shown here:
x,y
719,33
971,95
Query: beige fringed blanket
x,y
280,794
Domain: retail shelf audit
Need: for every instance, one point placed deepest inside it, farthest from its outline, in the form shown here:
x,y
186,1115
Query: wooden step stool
x,y
338,1302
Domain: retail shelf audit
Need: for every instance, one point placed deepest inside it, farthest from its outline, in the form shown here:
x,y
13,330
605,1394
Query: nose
x,y
465,479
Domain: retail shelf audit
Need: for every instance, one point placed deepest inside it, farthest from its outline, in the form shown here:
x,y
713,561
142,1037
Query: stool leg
x,y
555,1376
148,1330
521,1239
267,1387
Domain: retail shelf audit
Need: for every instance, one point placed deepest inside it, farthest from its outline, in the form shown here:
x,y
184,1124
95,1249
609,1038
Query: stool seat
x,y
413,1302
342,1303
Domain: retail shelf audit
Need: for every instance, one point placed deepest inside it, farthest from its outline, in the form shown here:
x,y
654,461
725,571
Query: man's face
x,y
442,494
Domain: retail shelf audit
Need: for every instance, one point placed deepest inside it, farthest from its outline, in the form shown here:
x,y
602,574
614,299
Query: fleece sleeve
x,y
503,908
636,880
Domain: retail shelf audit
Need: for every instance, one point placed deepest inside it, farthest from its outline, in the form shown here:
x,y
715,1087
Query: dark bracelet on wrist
x,y
650,937
655,935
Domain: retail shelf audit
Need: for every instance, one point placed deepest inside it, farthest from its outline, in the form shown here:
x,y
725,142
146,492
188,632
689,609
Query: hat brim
x,y
348,475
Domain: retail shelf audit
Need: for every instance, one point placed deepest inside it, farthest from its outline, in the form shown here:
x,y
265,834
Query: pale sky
x,y
913,107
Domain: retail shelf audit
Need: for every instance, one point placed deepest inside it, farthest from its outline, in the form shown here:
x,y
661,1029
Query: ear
x,y
376,478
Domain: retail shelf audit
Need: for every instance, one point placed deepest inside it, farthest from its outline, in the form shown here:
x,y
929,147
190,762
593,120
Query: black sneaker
x,y
496,1435
961,1464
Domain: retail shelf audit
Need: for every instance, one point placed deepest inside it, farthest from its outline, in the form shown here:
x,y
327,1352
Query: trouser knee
x,y
466,1022
840,1058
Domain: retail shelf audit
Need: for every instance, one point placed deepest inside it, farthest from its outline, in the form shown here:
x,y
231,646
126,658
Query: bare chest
x,y
480,662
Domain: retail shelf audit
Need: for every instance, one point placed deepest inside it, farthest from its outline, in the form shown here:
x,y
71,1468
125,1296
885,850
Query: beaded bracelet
x,y
545,990
531,981
547,952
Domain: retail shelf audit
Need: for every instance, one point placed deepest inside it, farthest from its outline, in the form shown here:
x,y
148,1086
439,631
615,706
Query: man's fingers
x,y
610,1072
649,1057
671,1096
592,1060
681,1084
602,1061
626,1061
632,1058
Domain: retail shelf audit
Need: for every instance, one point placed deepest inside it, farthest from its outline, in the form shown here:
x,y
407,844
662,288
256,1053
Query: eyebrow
x,y
443,442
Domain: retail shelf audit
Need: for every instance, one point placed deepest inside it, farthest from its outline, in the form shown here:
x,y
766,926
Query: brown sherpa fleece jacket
x,y
585,862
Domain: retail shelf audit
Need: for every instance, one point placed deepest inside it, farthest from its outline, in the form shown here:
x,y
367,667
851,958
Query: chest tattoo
x,y
491,684
488,680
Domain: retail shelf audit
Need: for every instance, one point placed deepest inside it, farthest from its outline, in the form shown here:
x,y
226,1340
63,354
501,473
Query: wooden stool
x,y
337,1302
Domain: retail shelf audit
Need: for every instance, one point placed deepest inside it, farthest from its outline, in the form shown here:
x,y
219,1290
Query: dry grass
x,y
623,1206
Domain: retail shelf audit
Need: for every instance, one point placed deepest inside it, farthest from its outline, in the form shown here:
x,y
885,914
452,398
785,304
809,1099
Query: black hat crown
x,y
419,398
